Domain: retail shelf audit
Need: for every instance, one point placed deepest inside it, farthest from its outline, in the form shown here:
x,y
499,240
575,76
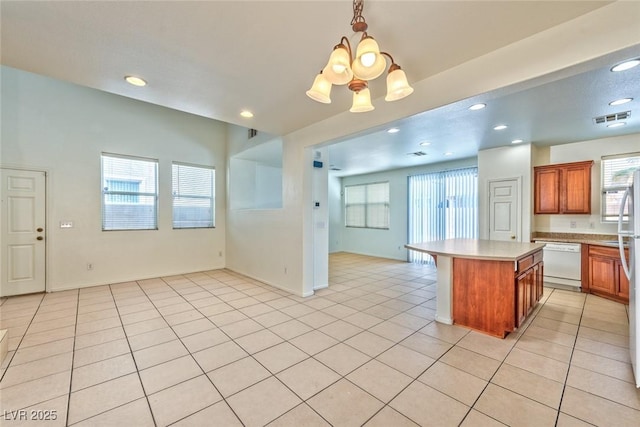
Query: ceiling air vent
x,y
417,154
612,117
252,133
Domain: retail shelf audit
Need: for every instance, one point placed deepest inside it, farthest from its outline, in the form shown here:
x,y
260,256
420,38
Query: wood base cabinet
x,y
604,275
530,289
563,188
490,297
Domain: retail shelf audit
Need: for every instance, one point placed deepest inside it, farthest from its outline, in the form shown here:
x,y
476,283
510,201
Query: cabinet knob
x,y
39,238
513,237
39,230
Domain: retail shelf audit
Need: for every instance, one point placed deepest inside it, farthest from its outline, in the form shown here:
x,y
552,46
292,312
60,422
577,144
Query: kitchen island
x,y
487,285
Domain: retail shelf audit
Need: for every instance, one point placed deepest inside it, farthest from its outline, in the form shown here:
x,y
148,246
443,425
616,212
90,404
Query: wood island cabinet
x,y
563,188
604,275
497,300
529,284
487,285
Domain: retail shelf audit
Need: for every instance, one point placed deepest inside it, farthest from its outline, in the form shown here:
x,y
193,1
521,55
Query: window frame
x,y
212,198
366,205
604,218
137,194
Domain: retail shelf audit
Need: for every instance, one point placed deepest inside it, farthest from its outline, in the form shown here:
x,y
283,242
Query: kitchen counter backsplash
x,y
593,239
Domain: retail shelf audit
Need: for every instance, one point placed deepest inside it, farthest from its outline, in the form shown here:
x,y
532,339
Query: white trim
x,y
155,276
47,220
266,282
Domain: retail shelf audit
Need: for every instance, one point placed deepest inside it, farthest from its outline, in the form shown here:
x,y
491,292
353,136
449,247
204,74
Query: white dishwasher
x,y
562,265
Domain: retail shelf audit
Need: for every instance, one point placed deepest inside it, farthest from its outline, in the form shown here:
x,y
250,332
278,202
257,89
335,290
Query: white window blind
x,y
367,205
193,190
617,173
442,205
129,193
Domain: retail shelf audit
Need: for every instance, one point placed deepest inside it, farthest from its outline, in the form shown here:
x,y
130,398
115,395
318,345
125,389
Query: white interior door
x,y
504,201
23,236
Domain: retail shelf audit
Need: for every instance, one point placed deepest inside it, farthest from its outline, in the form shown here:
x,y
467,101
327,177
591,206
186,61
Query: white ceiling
x,y
215,58
555,109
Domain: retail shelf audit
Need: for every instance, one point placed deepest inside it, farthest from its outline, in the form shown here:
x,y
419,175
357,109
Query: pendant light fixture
x,y
343,68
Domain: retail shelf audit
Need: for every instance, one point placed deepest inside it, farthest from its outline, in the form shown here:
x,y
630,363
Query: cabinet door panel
x,y
577,190
602,274
623,285
521,311
547,196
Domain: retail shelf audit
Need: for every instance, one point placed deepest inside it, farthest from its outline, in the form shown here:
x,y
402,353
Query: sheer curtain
x,y
442,205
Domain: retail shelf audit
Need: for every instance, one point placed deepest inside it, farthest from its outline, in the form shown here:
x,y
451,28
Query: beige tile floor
x,y
217,348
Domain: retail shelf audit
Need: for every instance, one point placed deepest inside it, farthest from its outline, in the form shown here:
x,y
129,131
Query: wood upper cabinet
x,y
563,188
547,191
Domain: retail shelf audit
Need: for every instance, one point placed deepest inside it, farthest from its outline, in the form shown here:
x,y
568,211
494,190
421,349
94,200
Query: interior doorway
x,y
23,217
504,209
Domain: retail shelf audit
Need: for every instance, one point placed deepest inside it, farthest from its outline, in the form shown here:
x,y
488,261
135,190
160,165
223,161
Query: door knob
x,y
39,238
39,230
513,237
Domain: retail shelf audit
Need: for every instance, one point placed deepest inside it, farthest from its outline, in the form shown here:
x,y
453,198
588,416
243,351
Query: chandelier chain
x,y
358,6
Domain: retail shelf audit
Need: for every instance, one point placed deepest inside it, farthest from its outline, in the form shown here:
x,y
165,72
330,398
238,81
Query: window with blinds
x,y
129,193
193,189
367,205
617,173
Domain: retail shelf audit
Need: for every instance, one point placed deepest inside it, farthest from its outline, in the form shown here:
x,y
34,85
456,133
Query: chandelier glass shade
x,y
368,63
321,90
338,70
361,101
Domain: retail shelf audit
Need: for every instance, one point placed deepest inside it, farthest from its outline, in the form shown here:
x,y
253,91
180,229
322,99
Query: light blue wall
x,y
382,243
61,128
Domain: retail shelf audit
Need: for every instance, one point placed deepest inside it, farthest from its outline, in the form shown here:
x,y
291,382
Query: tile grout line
x,y
134,363
22,338
73,355
573,348
223,399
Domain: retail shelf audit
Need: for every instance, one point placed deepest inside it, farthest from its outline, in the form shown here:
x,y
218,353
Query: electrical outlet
x,y
89,266
592,225
573,224
220,253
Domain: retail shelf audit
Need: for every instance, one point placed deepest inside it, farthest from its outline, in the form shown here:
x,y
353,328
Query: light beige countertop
x,y
610,240
477,249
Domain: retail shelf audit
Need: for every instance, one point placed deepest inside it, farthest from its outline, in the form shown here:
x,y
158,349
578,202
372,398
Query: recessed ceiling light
x,y
475,107
393,130
623,66
500,127
136,81
246,114
448,153
425,143
621,101
616,125
517,141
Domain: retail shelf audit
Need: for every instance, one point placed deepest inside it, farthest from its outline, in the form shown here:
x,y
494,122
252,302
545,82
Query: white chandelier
x,y
368,64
